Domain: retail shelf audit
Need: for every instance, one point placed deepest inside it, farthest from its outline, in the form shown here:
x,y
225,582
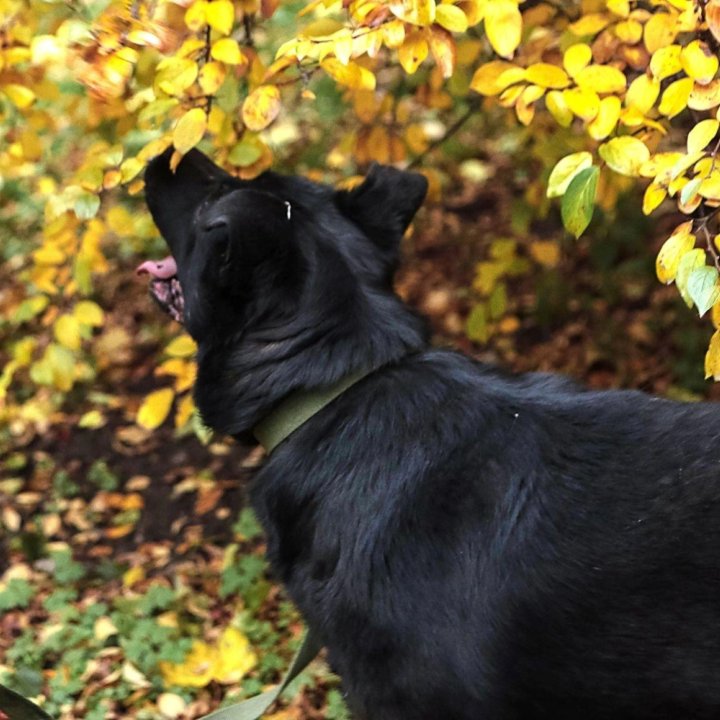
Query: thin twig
x,y
247,24
474,103
710,247
208,104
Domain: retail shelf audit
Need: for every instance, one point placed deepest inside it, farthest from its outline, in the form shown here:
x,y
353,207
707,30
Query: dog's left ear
x,y
384,203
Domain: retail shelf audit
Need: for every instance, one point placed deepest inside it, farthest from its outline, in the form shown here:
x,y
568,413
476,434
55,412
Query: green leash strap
x,y
255,707
297,409
16,707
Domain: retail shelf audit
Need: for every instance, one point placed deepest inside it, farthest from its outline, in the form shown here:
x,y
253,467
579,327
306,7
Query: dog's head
x,y
239,246
284,283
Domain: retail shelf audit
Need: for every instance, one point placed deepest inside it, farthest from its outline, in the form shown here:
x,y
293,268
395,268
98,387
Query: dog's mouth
x,y
165,287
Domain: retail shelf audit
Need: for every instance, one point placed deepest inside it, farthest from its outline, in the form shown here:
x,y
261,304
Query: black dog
x,y
467,544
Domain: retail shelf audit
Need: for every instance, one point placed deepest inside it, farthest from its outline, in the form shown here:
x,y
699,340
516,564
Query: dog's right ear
x,y
384,203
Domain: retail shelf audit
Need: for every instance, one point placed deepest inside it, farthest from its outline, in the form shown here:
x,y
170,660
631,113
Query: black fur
x,y
469,545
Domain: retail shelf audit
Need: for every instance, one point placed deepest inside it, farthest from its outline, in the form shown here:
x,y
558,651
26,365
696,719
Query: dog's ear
x,y
384,203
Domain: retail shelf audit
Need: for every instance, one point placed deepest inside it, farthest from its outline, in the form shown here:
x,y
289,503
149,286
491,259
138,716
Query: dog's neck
x,y
242,386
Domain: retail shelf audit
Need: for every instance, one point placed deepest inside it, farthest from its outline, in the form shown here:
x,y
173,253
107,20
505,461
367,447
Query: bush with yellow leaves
x,y
88,96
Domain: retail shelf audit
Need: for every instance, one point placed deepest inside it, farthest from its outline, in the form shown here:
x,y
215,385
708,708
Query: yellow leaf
x,y
606,119
212,76
228,51
625,154
589,24
62,366
601,79
103,628
712,357
666,62
619,7
555,103
412,52
197,670
583,102
701,135
654,195
220,16
322,28
261,107
493,77
642,93
660,31
67,332
155,409
181,347
183,371
189,130
185,409
545,252
710,186
235,657
49,255
21,96
565,170
503,26
699,62
352,75
89,313
442,47
92,419
23,350
668,259
393,34
675,98
174,75
195,15
547,76
416,12
525,107
715,312
683,163
451,18
629,31
577,57
133,575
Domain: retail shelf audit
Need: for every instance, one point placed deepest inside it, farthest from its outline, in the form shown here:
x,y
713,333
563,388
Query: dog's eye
x,y
215,224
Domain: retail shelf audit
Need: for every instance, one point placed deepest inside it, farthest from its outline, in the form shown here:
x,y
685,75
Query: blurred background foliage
x,y
570,149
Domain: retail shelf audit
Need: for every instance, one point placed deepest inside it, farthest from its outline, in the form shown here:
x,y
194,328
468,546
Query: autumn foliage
x,y
91,92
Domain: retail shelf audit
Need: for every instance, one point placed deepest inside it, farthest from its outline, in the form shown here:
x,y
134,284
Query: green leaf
x,y
579,201
704,288
690,261
244,154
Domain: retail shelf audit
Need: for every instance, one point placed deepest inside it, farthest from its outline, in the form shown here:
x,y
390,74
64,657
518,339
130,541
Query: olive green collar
x,y
297,408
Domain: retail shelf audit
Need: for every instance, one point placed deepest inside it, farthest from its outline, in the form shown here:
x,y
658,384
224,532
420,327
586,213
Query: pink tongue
x,y
162,269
